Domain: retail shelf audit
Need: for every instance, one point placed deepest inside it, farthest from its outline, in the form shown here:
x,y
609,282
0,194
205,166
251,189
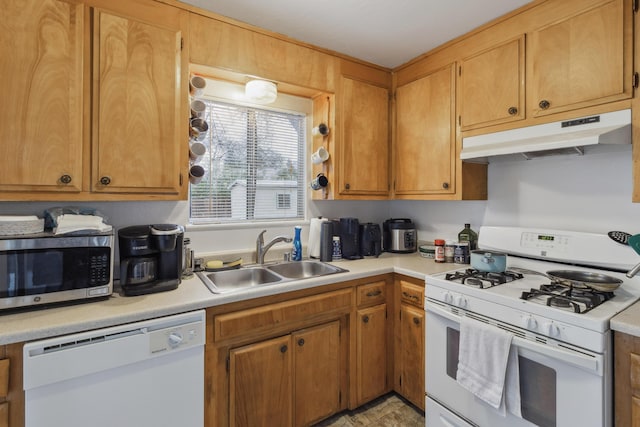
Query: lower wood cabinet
x,y
292,380
371,370
627,380
11,394
410,340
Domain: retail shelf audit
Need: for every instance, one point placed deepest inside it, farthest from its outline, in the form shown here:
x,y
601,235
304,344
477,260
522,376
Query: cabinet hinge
x,y
400,382
180,179
227,364
181,43
459,120
340,397
636,80
460,70
635,6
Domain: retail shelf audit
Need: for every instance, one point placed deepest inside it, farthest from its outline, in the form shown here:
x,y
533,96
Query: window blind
x,y
254,165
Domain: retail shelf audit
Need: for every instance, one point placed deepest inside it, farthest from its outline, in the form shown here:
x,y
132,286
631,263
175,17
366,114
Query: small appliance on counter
x,y
370,240
150,258
350,238
399,235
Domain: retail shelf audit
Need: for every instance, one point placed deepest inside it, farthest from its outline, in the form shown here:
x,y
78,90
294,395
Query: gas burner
x,y
577,299
482,279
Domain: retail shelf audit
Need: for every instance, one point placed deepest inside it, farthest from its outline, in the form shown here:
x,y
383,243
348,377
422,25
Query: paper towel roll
x,y
313,247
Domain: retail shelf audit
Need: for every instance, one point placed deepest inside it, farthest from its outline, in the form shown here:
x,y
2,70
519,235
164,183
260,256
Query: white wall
x,y
589,193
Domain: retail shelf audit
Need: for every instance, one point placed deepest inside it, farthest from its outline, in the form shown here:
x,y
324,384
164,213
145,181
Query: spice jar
x,y
439,244
449,247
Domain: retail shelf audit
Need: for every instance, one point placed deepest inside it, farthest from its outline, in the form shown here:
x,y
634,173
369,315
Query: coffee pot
x,y
150,258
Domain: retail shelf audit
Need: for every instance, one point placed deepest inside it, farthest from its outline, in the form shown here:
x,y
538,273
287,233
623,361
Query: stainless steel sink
x,y
246,277
304,269
225,281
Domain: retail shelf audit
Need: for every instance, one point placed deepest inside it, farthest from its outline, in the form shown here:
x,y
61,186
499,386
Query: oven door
x,y
559,385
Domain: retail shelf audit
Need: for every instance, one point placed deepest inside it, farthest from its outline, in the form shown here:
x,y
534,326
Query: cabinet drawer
x,y
371,293
4,377
411,294
265,318
4,414
634,373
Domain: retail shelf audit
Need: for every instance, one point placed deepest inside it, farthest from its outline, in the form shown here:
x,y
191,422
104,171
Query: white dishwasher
x,y
144,374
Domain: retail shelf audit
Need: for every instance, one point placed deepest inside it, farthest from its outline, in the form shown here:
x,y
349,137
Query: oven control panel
x,y
544,242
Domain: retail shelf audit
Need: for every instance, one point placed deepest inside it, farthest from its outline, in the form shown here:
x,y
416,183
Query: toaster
x,y
399,235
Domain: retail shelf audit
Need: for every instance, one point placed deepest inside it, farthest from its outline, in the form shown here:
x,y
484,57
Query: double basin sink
x,y
261,275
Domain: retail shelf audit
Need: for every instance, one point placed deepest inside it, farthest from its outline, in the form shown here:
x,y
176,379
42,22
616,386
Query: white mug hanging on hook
x,y
320,181
321,155
196,151
321,129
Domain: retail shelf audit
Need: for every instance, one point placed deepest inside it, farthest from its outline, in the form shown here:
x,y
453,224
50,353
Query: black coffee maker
x,y
150,258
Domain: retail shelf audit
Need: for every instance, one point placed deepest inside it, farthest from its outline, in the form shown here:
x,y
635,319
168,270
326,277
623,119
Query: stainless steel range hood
x,y
566,137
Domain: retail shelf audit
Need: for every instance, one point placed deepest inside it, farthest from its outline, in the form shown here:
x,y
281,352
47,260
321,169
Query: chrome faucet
x,y
633,271
261,248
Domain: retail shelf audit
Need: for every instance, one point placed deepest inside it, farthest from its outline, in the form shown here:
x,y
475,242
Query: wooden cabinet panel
x,y
371,293
425,146
41,115
264,318
580,61
412,294
371,348
317,367
4,377
139,91
635,412
260,384
411,363
364,145
492,86
4,414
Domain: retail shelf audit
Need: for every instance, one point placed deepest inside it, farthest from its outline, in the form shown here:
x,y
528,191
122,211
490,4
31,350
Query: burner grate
x,y
482,279
574,298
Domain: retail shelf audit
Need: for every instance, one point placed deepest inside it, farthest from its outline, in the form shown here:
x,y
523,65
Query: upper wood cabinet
x,y
139,92
96,101
425,149
364,145
492,86
582,60
41,114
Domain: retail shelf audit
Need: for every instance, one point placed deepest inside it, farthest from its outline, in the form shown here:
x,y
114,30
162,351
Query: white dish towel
x,y
488,366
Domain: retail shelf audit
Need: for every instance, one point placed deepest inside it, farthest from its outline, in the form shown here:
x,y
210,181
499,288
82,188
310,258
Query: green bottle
x,y
468,235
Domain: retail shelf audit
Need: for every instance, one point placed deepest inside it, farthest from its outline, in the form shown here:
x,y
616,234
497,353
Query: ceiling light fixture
x,y
261,91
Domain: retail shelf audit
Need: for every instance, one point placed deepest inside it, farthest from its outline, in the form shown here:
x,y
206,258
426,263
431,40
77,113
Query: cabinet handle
x,y
513,111
544,104
347,186
416,320
365,319
301,342
105,180
445,185
409,296
65,179
283,349
374,293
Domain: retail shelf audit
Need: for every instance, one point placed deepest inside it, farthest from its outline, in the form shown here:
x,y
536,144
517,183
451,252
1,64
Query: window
x,y
284,201
254,165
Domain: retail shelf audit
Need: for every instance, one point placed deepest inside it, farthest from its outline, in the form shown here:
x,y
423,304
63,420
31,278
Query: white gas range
x,y
561,334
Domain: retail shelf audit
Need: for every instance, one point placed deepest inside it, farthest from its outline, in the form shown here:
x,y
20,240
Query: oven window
x,y
537,384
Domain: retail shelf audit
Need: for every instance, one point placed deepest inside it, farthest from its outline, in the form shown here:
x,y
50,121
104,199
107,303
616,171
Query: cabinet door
x,y
412,354
425,139
317,373
140,138
371,348
581,61
41,118
364,146
260,384
492,86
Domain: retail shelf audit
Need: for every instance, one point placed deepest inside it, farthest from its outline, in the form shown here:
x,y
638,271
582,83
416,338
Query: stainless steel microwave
x,y
46,269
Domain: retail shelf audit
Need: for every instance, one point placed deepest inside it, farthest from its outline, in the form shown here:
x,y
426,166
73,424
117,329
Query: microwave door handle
x,y
579,360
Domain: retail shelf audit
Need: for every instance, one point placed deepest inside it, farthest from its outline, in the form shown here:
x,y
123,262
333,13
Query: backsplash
x,y
585,193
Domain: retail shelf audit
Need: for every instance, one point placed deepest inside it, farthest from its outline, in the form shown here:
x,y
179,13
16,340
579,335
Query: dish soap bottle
x,y
468,235
296,253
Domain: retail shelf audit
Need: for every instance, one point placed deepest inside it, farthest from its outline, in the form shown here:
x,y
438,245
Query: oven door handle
x,y
585,361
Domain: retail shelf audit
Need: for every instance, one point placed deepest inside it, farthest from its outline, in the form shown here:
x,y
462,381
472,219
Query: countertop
x,y
627,321
192,294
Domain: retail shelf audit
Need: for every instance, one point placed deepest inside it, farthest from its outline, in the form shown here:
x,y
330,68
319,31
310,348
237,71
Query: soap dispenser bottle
x,y
296,253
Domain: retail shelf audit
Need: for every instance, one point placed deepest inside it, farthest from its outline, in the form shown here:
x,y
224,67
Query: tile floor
x,y
387,411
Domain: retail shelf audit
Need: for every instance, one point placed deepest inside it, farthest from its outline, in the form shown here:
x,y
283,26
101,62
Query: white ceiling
x,y
384,32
